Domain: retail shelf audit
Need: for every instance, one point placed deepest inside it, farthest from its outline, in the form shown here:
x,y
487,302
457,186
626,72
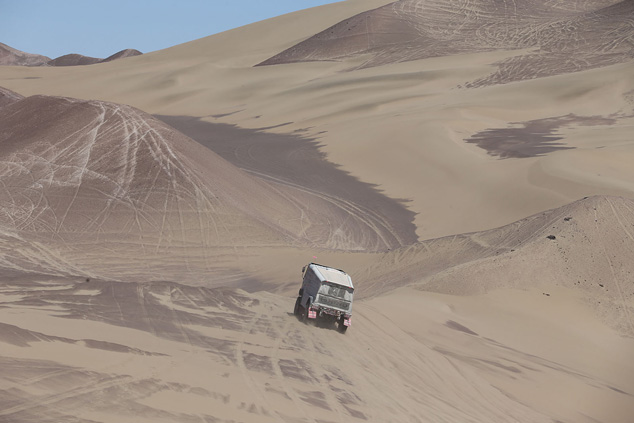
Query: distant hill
x,y
73,60
122,54
12,57
80,60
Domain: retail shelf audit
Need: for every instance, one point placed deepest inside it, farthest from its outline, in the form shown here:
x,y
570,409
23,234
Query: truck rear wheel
x,y
341,327
298,305
305,317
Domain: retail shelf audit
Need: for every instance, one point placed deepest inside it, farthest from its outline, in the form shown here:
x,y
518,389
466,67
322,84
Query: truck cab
x,y
326,295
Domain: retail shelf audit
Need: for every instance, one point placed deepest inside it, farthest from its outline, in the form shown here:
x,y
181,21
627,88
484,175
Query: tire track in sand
x,y
612,271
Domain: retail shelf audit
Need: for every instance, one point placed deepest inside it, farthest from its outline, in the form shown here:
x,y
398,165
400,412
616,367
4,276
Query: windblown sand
x,y
155,213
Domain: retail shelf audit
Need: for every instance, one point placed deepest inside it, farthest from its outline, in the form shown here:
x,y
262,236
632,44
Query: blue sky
x,y
101,28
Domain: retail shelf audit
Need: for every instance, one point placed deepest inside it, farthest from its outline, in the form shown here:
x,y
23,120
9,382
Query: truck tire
x,y
340,326
298,305
305,315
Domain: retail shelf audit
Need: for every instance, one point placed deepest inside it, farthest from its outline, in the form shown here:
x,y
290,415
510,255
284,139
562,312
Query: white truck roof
x,y
330,274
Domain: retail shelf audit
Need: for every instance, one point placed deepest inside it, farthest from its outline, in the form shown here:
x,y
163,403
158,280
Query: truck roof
x,y
333,275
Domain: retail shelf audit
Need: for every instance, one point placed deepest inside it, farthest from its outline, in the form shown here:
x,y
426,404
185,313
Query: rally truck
x,y
325,296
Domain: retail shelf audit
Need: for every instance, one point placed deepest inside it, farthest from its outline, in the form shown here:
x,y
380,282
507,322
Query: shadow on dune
x,y
296,161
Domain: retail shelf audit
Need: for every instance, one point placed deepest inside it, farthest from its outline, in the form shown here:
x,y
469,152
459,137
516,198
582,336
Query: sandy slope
x,y
99,351
584,246
468,324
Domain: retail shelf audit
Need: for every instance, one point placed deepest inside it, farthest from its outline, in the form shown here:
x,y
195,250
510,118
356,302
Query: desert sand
x,y
155,213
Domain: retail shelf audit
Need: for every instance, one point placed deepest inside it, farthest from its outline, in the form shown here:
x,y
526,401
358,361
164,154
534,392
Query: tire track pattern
x,y
226,355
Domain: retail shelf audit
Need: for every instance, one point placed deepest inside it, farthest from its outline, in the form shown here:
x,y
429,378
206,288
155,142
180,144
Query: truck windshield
x,y
336,291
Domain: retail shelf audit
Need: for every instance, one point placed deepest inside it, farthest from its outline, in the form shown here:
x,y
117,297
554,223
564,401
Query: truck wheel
x,y
305,318
298,305
304,313
341,327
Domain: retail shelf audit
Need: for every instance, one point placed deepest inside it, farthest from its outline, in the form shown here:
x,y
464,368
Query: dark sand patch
x,y
296,369
165,310
316,398
258,363
533,138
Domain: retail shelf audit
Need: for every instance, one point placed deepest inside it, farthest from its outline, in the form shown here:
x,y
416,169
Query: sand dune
x,y
585,246
80,174
148,273
87,178
563,37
